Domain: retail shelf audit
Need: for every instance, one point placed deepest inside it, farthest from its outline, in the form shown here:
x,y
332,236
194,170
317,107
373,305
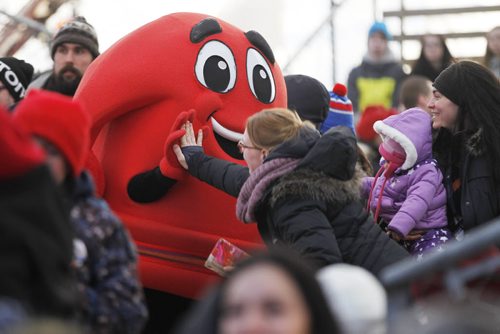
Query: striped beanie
x,y
340,111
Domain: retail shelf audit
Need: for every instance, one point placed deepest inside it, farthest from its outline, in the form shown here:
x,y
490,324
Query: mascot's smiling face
x,y
216,69
134,92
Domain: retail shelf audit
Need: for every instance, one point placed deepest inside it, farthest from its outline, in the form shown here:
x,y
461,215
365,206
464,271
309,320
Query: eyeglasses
x,y
242,147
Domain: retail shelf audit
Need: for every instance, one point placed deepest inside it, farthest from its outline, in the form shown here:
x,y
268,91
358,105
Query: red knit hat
x,y
364,127
59,120
18,151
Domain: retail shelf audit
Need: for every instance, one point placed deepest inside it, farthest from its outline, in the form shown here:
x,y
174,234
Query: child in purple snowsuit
x,y
408,192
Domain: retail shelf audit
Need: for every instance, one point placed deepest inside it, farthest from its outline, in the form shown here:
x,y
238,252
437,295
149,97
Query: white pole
x,y
332,32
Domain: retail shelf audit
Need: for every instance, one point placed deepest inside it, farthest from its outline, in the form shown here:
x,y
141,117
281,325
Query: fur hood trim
x,y
308,184
475,143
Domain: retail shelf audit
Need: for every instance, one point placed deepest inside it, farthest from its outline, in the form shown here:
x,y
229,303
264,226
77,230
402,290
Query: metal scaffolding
x,y
28,22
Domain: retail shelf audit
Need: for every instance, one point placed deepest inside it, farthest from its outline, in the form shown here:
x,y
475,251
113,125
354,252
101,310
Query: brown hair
x,y
364,162
271,127
412,88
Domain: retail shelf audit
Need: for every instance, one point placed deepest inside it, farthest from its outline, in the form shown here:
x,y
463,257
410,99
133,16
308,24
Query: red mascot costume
x,y
181,66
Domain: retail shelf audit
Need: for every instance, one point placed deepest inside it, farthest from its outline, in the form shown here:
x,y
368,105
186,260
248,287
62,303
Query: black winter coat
x,y
480,193
315,209
36,245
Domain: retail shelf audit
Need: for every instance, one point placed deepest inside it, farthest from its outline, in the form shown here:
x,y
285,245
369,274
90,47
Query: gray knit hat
x,y
77,31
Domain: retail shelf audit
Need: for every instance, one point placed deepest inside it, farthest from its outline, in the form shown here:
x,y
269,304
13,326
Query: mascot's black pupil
x,y
262,84
216,73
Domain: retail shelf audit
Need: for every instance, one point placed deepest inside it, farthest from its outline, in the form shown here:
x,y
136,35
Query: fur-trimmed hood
x,y
471,143
334,153
306,183
412,129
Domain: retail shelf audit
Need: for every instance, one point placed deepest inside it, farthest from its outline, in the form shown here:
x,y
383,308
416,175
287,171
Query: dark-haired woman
x,y
434,57
466,110
267,293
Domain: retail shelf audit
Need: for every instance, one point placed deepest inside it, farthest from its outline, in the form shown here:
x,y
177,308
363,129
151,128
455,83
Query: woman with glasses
x,y
302,189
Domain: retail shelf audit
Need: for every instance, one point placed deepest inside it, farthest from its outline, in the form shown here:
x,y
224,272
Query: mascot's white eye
x,y
215,67
260,77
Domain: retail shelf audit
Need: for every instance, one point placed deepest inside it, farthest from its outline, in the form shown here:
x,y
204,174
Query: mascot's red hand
x,y
169,165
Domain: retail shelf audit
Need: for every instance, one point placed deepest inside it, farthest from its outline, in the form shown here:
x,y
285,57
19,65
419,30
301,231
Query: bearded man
x,y
73,48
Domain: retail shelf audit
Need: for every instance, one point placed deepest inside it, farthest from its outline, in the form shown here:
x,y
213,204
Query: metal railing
x,y
405,13
399,277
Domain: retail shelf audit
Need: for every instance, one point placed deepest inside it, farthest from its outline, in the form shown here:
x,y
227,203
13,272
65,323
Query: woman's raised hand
x,y
189,139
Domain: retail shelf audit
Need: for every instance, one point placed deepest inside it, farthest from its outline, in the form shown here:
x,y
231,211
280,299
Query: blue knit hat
x,y
380,27
340,111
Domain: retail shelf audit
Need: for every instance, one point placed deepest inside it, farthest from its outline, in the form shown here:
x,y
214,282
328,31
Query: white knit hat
x,y
356,298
